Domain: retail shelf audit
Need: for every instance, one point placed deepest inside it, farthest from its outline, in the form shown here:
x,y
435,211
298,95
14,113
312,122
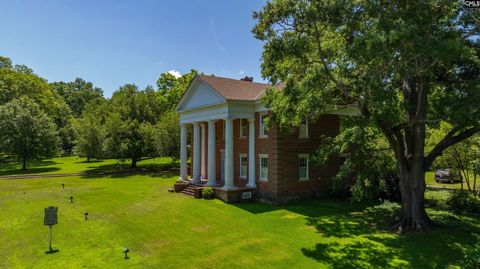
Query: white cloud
x,y
175,73
242,72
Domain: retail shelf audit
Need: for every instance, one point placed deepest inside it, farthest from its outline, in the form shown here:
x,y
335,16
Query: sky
x,y
111,43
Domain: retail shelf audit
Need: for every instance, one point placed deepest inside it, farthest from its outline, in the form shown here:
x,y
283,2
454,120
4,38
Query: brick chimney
x,y
247,78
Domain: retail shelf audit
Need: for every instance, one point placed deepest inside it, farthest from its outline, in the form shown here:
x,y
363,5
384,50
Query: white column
x,y
196,153
251,153
211,154
203,165
183,152
229,183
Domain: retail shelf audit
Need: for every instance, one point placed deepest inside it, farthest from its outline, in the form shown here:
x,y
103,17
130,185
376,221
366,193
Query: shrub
x,y
464,201
471,258
208,193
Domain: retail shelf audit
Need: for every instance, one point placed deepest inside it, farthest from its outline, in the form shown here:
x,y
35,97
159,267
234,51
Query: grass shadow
x,y
36,170
12,167
364,239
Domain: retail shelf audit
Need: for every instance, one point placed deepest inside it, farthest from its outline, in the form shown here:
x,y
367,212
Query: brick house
x,y
234,151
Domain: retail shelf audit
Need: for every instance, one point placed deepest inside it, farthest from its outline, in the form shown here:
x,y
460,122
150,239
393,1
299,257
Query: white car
x,y
447,175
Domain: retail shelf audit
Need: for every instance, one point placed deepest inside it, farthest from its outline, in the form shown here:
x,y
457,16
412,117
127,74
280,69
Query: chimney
x,y
247,78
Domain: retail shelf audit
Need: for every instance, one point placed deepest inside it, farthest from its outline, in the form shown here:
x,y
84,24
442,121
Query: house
x,y
234,150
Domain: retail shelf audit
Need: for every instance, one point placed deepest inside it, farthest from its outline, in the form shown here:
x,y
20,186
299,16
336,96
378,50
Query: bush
x,y
471,258
464,201
208,193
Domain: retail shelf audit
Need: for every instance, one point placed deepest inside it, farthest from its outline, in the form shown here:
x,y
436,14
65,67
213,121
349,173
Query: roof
x,y
232,89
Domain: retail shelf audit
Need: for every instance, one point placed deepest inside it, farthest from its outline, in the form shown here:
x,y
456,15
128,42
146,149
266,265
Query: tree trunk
x,y
88,159
134,164
24,163
413,216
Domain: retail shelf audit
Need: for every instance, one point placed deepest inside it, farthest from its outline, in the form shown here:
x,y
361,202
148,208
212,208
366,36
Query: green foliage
x,y
208,193
77,94
167,135
368,169
171,89
464,201
6,62
471,258
91,138
19,80
406,66
130,123
26,131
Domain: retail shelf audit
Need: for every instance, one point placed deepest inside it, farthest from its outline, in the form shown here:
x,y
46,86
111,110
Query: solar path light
x,y
126,250
86,215
71,199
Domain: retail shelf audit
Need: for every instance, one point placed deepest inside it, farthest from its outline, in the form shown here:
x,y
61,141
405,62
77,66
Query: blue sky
x,y
111,43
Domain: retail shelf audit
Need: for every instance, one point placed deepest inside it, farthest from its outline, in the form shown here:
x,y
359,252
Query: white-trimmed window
x,y
243,165
263,163
263,126
243,128
303,167
303,129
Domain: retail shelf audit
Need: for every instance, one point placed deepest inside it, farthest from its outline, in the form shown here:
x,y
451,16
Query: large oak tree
x,y
407,65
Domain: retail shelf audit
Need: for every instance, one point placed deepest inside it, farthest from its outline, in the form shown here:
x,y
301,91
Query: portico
x,y
205,111
205,138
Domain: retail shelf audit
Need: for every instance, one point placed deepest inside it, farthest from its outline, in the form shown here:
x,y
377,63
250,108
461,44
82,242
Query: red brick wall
x,y
283,150
290,187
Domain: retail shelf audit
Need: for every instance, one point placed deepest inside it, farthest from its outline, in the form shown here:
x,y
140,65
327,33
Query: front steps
x,y
193,191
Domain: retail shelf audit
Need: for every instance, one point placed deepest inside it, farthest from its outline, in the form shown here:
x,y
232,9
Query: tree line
x,y
39,119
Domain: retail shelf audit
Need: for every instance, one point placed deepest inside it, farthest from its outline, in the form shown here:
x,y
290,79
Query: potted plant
x,y
179,185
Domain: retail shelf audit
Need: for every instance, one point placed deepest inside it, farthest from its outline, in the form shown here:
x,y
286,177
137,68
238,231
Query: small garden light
x,y
63,185
126,250
71,199
86,215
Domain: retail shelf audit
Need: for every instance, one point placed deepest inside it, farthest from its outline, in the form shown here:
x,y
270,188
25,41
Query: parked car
x,y
447,175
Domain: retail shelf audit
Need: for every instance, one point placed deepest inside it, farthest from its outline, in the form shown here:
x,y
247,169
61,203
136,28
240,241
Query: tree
x,y
167,136
19,80
77,94
367,168
406,65
91,134
171,89
26,131
129,124
5,62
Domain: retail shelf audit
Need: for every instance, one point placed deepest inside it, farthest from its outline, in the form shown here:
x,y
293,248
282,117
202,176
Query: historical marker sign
x,y
51,216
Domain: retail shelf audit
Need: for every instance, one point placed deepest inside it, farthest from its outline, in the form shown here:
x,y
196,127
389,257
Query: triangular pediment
x,y
199,94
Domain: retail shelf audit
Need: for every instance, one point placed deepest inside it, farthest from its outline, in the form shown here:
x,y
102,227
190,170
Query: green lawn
x,y
74,164
430,180
170,230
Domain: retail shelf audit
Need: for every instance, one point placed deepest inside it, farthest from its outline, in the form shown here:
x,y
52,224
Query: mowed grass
x,y
171,230
75,164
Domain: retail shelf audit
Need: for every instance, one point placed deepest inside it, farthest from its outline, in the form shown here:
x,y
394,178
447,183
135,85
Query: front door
x,y
222,165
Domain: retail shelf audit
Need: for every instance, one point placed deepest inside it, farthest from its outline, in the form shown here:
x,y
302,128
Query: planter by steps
x,y
179,186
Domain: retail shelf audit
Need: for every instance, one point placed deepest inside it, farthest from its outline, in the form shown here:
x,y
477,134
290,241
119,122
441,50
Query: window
x,y
263,126
243,165
263,158
303,166
243,128
303,129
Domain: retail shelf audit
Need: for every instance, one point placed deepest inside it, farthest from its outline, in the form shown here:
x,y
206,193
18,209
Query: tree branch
x,y
449,140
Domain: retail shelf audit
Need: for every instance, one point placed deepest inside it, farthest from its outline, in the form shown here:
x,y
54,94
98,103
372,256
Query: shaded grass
x,y
169,230
74,164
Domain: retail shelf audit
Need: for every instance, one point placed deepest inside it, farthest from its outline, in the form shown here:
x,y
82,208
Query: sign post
x,y
51,218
